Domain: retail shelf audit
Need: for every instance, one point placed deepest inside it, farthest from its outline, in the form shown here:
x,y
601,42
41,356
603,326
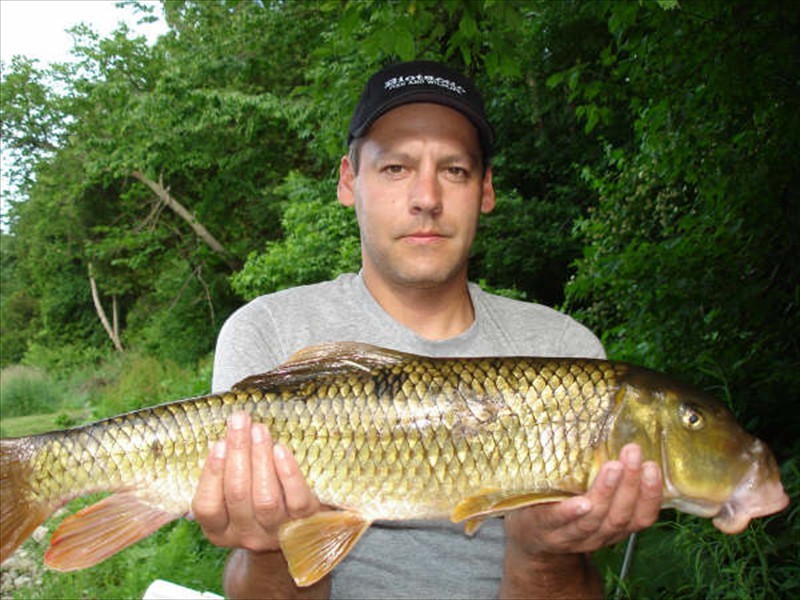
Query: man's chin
x,y
420,278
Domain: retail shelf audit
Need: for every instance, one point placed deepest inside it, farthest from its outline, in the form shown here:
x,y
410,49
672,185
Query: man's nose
x,y
426,193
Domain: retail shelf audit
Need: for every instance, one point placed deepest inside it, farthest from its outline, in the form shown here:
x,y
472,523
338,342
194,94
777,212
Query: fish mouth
x,y
759,493
752,498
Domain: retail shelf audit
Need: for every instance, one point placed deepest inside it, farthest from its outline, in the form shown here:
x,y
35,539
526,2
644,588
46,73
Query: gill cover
x,y
703,452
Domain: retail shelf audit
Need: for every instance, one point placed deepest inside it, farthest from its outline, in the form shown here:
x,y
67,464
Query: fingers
x,y
637,497
625,497
237,482
616,493
266,488
249,487
649,506
299,500
208,504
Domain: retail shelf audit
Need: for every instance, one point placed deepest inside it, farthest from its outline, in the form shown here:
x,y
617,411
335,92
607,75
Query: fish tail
x,y
20,512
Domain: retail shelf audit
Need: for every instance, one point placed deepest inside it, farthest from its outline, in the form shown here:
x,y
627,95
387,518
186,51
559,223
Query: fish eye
x,y
691,417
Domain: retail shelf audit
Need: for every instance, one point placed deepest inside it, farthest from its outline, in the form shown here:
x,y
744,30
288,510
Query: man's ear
x,y
345,188
487,193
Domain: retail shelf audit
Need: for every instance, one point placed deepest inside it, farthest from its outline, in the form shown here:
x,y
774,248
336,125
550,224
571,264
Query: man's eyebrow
x,y
382,155
468,157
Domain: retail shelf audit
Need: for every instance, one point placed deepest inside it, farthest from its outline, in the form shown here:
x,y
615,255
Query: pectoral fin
x,y
496,502
103,529
472,525
315,545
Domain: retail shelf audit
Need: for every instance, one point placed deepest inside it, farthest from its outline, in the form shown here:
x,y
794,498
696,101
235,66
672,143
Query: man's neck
x,y
435,313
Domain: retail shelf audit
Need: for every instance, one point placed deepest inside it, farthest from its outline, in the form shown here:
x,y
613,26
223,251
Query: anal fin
x,y
103,529
475,509
315,545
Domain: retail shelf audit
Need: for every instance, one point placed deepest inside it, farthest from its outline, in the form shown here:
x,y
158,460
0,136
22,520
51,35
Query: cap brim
x,y
485,132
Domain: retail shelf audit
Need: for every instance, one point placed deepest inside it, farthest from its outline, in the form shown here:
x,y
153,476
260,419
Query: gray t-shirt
x,y
419,559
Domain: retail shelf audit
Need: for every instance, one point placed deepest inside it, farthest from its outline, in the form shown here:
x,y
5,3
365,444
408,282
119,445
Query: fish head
x,y
711,466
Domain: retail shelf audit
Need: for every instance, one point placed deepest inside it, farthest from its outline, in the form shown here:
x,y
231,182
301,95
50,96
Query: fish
x,y
386,435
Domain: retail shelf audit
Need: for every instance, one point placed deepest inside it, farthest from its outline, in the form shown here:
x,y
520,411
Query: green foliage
x,y
27,391
320,241
62,359
136,381
527,244
17,306
690,264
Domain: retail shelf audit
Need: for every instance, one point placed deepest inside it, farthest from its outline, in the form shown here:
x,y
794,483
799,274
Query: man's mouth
x,y
423,237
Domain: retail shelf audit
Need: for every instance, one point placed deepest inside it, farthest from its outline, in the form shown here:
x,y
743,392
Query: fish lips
x,y
752,498
757,494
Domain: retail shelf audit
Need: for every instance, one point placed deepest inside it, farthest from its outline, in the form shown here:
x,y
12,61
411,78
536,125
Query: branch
x,y
163,194
113,333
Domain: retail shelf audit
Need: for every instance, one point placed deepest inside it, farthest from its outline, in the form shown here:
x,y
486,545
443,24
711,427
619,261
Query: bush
x,y
27,391
136,381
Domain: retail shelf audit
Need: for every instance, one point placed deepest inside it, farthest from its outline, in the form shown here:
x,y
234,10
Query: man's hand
x,y
625,497
548,546
248,488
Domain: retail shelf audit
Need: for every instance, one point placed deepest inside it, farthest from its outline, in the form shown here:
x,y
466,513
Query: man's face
x,y
418,193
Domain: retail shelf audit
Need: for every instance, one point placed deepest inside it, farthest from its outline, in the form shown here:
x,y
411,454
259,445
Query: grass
x,y
32,424
26,391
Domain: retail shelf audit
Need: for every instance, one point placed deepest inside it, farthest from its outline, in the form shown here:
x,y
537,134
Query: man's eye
x,y
457,172
393,169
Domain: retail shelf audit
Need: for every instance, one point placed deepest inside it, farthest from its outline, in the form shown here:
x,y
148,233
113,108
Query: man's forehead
x,y
424,120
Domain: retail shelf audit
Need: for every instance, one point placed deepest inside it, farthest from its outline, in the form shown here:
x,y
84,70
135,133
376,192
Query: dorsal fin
x,y
347,352
326,359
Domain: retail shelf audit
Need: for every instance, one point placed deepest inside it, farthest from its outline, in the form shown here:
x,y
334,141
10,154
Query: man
x,y
418,175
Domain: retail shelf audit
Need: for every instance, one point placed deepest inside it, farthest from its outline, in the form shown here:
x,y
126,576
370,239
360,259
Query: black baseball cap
x,y
420,81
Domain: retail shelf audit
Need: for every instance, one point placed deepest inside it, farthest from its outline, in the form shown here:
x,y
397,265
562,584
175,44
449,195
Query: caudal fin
x,y
20,512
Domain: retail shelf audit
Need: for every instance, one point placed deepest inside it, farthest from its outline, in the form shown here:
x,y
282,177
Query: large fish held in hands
x,y
386,435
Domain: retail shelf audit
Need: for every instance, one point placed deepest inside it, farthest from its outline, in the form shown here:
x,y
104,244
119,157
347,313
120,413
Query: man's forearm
x,y
266,575
549,576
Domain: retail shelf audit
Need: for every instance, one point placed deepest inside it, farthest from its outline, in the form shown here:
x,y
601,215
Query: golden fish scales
x,y
408,441
385,435
413,440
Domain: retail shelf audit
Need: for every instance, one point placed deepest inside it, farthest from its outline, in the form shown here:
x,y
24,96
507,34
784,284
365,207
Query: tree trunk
x,y
162,193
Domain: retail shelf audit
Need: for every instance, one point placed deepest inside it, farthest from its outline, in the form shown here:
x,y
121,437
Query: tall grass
x,y
135,381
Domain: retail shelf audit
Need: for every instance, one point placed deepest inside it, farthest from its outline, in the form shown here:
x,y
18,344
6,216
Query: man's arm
x,y
247,489
548,546
251,574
